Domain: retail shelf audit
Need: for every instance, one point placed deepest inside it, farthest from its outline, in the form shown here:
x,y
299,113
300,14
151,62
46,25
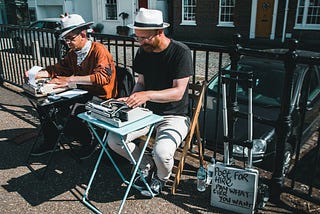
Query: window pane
x,y
313,12
308,12
227,11
189,7
111,9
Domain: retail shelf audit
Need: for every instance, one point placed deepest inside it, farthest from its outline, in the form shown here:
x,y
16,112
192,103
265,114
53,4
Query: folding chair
x,y
196,96
125,81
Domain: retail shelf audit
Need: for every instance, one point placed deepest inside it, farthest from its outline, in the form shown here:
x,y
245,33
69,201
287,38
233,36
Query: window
x,y
111,10
38,24
226,13
32,14
308,14
314,88
189,12
52,25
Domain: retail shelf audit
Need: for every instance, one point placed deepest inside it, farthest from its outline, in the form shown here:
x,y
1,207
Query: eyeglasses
x,y
141,39
70,39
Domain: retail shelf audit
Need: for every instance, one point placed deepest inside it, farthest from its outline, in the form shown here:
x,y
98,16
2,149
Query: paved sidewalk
x,y
61,190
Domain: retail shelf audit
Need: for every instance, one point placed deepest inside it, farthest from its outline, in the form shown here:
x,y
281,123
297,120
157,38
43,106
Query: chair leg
x,y
184,154
181,164
200,148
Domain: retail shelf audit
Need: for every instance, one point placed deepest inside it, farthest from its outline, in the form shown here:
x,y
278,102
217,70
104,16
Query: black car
x,y
267,92
22,40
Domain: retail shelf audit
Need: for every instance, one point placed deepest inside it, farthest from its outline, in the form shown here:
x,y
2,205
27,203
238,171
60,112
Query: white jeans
x,y
170,132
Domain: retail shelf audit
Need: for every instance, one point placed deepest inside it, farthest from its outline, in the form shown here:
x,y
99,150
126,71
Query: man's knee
x,y
113,141
163,154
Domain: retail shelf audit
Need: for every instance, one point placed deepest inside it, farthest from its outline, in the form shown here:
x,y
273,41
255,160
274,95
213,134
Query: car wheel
x,y
268,162
287,159
18,45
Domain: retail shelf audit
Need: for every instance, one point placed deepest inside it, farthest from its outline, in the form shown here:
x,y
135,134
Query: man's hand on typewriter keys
x,y
60,81
137,99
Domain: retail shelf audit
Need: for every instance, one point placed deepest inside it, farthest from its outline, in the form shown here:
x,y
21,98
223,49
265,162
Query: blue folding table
x,y
150,120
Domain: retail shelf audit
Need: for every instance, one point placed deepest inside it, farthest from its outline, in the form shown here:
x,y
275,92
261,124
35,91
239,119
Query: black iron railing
x,y
21,48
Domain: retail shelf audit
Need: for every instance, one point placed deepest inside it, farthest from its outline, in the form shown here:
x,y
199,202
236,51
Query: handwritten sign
x,y
234,189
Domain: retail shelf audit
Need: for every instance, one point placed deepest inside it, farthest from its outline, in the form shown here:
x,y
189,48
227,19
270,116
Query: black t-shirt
x,y
159,71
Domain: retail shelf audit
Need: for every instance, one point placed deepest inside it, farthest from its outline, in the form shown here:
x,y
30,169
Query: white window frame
x,y
192,6
115,18
223,23
304,24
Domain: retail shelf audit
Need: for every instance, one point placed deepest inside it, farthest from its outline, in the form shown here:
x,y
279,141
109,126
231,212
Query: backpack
x,y
125,81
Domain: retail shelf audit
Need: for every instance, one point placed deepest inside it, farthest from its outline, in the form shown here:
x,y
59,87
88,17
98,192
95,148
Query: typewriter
x,y
41,88
115,112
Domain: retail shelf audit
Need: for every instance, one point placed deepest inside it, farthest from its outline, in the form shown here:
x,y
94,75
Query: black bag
x,y
125,81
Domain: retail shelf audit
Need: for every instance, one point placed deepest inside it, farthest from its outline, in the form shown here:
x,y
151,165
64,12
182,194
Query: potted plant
x,y
123,30
98,28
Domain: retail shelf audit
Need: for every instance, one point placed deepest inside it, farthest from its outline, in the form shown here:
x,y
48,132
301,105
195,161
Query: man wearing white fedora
x,y
90,66
164,67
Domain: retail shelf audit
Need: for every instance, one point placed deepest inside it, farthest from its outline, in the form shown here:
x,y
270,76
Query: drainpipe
x,y
285,21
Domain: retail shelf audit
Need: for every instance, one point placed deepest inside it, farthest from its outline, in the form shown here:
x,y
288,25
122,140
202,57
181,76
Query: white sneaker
x,y
156,186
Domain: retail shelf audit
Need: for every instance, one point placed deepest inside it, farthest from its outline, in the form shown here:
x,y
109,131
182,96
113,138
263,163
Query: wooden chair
x,y
196,97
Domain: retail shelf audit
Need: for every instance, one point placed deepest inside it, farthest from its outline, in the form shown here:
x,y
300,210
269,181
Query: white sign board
x,y
234,189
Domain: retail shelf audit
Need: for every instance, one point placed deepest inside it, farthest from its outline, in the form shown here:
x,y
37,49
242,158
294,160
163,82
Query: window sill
x,y
188,23
225,25
306,28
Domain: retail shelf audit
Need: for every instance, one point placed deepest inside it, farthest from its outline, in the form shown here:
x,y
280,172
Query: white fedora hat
x,y
147,19
72,22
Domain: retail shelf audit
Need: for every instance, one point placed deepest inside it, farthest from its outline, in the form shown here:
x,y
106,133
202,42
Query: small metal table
x,y
48,110
150,120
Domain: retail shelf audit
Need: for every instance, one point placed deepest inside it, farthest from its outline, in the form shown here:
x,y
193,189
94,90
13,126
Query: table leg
x,y
86,193
135,171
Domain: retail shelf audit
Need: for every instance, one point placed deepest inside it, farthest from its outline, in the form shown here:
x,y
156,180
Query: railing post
x,y
232,103
1,73
36,51
284,123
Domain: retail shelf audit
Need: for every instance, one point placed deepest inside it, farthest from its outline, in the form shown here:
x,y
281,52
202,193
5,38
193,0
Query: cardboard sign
x,y
234,189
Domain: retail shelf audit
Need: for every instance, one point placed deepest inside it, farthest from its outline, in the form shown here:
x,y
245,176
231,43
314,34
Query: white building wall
x,y
47,8
160,5
98,14
3,18
93,10
83,8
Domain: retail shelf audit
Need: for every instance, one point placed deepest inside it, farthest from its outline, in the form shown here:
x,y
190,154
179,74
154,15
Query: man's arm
x,y
161,96
63,81
139,86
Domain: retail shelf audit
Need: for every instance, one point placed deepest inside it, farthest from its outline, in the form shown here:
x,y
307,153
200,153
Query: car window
x,y
37,25
267,87
52,25
314,88
267,84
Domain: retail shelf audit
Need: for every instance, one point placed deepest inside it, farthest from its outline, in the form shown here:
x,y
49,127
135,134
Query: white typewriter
x,y
115,112
39,87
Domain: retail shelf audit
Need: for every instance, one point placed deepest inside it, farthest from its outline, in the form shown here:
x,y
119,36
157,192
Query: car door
x,y
313,101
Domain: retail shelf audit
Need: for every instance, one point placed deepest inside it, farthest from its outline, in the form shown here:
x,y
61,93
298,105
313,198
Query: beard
x,y
150,47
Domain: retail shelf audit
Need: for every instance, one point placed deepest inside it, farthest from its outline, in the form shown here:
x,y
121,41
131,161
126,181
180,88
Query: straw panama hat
x,y
72,22
147,19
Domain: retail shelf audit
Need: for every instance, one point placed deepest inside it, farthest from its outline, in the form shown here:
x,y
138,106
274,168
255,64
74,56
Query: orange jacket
x,y
98,64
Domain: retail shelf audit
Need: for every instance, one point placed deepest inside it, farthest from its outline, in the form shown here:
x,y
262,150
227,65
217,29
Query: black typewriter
x,y
115,112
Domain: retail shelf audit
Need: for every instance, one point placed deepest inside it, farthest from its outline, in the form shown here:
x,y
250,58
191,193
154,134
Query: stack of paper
x,y
32,72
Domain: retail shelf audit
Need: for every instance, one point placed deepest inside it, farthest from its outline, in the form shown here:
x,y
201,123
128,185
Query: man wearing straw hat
x,y
87,65
163,66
